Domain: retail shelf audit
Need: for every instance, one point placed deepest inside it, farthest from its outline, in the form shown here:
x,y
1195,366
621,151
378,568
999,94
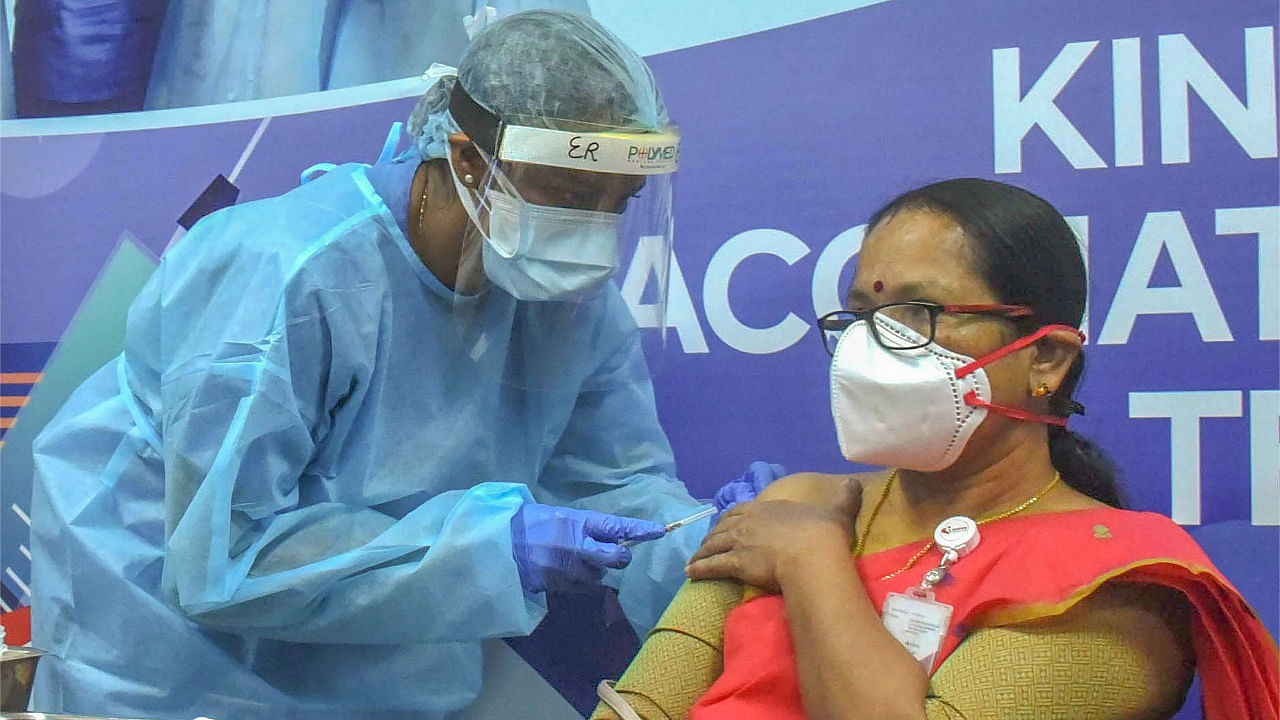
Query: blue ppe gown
x,y
292,492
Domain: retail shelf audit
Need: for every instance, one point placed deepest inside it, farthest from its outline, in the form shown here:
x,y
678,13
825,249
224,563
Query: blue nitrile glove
x,y
559,547
757,476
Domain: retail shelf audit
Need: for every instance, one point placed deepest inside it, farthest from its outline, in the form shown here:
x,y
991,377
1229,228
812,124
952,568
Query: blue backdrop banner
x,y
1155,132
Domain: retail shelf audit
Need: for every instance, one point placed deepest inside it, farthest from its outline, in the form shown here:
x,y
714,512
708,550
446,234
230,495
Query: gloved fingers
x,y
732,493
566,548
761,474
603,554
753,481
721,497
613,528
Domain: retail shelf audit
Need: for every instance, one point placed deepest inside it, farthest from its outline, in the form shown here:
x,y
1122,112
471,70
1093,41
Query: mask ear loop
x,y
971,398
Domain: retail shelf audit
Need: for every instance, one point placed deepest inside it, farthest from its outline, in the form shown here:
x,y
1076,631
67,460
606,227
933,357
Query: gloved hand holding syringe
x,y
559,547
556,547
704,512
757,476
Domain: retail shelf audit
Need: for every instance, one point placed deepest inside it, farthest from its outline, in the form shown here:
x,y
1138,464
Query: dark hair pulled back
x,y
1028,254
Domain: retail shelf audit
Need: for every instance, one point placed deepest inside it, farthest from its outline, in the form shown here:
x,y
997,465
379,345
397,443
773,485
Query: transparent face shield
x,y
572,229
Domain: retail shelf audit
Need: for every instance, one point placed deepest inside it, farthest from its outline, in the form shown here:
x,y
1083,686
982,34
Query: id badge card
x,y
919,622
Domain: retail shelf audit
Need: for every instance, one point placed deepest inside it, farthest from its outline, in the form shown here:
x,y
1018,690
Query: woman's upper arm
x,y
1124,652
682,656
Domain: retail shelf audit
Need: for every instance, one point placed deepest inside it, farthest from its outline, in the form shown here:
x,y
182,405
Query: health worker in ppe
x,y
360,427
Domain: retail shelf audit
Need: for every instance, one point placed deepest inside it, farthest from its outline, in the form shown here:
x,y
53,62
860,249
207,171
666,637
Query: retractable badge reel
x,y
915,618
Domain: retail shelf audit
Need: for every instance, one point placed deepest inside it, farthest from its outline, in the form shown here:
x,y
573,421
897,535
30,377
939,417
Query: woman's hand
x,y
757,542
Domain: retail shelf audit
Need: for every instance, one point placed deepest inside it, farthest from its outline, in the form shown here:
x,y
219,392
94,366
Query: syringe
x,y
705,512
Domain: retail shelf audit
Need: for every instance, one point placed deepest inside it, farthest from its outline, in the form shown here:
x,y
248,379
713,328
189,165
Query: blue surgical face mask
x,y
535,252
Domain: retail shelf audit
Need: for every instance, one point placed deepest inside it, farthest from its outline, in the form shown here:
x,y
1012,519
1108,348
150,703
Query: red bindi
x,y
877,286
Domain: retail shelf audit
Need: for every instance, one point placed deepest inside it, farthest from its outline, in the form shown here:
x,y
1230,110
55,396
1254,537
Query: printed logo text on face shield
x,y
651,153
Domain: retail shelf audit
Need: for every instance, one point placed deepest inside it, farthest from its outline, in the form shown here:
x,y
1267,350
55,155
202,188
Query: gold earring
x,y
1042,390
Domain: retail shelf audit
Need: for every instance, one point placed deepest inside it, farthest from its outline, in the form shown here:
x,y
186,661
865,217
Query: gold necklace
x,y
862,540
422,211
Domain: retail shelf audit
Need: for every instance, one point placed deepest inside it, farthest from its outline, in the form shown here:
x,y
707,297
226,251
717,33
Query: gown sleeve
x,y
613,457
259,358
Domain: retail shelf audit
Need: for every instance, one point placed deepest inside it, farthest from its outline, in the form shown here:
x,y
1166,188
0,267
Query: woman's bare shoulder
x,y
815,487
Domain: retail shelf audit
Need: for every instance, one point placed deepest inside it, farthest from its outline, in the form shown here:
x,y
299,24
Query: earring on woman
x,y
1042,390
468,179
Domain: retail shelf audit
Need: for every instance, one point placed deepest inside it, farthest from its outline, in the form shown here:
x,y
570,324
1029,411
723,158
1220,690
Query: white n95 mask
x,y
535,252
902,408
914,409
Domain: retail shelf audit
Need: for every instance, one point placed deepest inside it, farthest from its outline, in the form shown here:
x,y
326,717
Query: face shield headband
x,y
614,152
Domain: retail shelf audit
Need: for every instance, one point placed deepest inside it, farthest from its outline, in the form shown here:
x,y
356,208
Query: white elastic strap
x,y
615,702
655,153
478,22
439,70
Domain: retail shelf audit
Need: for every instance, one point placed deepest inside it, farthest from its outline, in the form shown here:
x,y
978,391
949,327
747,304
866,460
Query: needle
x,y
705,512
